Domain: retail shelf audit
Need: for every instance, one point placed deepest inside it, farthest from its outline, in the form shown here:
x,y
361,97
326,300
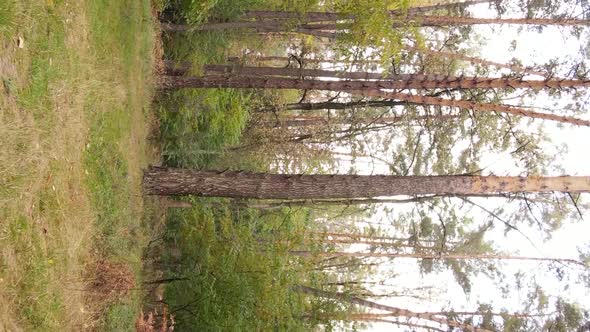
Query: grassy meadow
x,y
76,88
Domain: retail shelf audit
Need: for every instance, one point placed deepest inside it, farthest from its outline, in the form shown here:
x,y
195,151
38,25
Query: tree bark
x,y
172,181
416,82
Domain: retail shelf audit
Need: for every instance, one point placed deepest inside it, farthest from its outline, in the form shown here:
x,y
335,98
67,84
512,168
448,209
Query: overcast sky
x,y
531,47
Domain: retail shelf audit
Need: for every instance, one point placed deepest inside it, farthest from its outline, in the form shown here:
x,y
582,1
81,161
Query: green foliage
x,y
373,27
239,274
201,11
202,126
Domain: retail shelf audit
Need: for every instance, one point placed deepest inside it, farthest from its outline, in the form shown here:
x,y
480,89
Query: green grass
x,y
74,116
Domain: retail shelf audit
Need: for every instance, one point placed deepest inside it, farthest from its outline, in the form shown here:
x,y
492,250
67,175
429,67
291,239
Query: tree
x,y
170,181
434,256
398,312
412,82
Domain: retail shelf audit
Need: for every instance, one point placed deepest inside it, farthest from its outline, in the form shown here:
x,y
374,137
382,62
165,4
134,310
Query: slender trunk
x,y
343,106
416,82
419,20
475,60
360,236
375,243
398,312
476,106
462,20
434,256
303,72
302,121
331,202
376,318
287,60
269,14
172,181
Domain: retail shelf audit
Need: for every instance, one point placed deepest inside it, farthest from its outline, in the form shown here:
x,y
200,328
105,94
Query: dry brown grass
x,y
111,281
152,322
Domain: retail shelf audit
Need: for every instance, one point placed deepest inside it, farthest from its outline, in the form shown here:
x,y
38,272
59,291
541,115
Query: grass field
x,y
75,96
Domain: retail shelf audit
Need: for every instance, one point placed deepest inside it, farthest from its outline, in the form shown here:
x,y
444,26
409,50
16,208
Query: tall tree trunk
x,y
476,106
378,318
416,82
443,256
375,243
306,121
420,20
398,312
462,20
172,181
343,106
270,14
287,60
301,72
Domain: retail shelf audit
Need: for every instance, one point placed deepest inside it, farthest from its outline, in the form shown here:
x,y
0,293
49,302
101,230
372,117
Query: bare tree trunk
x,y
172,181
343,106
303,72
476,106
420,20
398,312
442,256
462,20
287,60
375,243
268,14
377,318
416,82
307,121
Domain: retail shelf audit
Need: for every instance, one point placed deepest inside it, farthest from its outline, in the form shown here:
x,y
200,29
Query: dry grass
x,y
112,281
56,92
152,323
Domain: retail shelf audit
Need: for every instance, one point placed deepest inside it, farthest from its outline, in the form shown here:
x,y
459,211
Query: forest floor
x,y
75,96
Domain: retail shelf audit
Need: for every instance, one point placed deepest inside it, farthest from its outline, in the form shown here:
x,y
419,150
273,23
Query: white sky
x,y
537,47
